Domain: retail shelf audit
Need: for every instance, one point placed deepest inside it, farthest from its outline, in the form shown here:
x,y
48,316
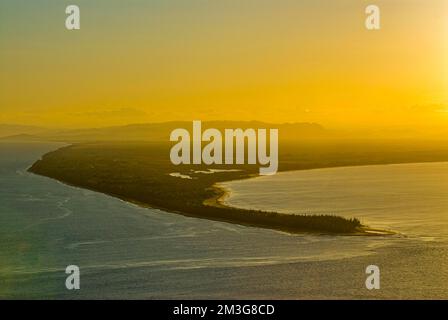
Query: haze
x,y
277,61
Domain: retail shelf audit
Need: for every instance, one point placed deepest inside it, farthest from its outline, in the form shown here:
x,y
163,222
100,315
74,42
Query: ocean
x,y
129,252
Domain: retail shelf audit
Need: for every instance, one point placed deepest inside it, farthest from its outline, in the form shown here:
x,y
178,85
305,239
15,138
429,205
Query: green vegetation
x,y
139,172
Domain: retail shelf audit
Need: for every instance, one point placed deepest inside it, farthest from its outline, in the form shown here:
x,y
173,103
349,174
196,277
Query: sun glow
x,y
274,61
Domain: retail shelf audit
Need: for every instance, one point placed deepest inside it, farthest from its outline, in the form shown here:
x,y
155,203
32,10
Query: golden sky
x,y
270,60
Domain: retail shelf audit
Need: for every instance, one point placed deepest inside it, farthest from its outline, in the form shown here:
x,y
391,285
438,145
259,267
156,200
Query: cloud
x,y
113,113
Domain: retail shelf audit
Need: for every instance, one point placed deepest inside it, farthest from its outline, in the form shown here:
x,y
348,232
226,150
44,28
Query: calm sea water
x,y
125,251
408,198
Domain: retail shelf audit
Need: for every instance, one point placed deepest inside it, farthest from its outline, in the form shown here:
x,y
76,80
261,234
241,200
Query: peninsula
x,y
140,172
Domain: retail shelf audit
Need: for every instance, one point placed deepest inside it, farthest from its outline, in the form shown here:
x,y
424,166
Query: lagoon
x,y
409,198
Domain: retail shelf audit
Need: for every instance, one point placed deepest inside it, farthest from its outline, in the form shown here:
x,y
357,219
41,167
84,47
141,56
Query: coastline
x,y
361,231
195,198
224,193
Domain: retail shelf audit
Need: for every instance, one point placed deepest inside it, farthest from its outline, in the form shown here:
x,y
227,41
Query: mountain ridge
x,y
160,131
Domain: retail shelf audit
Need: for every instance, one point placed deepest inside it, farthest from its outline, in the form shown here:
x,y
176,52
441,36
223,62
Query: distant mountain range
x,y
13,129
152,131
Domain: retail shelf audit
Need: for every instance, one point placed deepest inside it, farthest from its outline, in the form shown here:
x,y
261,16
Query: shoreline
x,y
362,231
224,193
201,199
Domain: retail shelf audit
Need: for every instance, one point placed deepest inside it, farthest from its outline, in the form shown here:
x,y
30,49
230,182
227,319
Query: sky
x,y
270,60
